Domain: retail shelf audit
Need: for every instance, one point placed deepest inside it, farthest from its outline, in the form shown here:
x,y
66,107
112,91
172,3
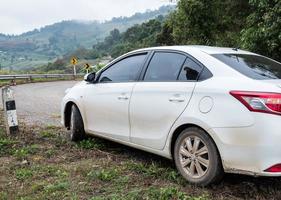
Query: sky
x,y
18,16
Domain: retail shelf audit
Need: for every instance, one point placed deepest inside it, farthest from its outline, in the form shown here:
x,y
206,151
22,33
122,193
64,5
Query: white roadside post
x,y
10,112
74,70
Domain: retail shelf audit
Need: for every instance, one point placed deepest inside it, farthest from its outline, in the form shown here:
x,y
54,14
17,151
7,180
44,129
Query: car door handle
x,y
177,98
123,97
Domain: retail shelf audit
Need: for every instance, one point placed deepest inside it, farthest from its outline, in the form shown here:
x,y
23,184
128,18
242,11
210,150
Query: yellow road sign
x,y
73,61
87,66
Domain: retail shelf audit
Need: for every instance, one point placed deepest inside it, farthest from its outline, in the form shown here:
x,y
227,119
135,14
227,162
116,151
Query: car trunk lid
x,y
276,82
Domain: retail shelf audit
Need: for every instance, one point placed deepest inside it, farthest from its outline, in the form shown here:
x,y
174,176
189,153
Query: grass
x,y
24,152
23,174
165,193
41,163
5,145
104,174
59,186
90,143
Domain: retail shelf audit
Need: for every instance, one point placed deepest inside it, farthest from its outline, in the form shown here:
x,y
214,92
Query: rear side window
x,y
164,66
190,71
252,66
205,74
126,70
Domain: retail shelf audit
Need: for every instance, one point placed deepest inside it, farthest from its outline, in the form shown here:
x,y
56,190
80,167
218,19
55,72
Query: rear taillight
x,y
274,169
260,101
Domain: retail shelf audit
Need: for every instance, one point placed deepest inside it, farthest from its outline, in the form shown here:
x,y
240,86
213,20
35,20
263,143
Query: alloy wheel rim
x,y
194,157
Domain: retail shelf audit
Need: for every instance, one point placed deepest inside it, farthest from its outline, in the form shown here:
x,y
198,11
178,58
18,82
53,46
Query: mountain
x,y
44,45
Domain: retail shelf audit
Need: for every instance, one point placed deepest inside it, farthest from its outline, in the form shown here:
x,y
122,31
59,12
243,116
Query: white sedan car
x,y
212,110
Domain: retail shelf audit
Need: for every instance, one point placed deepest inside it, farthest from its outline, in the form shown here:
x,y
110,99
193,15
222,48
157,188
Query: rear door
x,y
160,98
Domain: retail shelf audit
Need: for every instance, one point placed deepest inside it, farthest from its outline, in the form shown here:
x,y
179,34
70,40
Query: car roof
x,y
206,49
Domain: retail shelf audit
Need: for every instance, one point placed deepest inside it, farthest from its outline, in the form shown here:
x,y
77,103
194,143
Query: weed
x,y
23,174
122,180
156,171
52,127
59,186
49,153
146,169
163,193
2,131
37,186
23,153
166,193
3,195
47,134
49,170
90,144
104,174
61,173
5,145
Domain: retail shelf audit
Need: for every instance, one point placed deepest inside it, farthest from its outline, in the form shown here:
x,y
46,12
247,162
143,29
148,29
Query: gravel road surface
x,y
39,103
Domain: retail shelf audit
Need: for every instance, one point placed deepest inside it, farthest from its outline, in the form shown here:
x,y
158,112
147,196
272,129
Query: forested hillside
x,y
43,45
253,25
138,36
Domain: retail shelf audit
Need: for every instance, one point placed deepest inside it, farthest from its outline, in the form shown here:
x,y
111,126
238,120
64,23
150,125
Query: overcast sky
x,y
18,16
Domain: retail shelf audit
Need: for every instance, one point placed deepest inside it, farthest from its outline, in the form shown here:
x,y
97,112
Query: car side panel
x,y
153,111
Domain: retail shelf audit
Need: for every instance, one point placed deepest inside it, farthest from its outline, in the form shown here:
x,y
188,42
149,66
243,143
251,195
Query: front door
x,y
107,101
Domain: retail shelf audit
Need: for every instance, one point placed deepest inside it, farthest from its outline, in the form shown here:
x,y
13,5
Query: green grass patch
x,y
2,130
165,193
47,134
58,186
6,145
104,174
3,195
155,170
90,143
50,171
23,174
24,152
49,153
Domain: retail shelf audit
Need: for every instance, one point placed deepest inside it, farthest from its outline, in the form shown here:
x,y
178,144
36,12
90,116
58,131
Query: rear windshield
x,y
252,66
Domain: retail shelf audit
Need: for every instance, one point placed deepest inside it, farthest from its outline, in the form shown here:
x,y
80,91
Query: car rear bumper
x,y
252,149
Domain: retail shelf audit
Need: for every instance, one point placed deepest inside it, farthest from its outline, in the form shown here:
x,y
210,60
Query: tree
x,y
262,32
115,34
194,22
165,37
205,22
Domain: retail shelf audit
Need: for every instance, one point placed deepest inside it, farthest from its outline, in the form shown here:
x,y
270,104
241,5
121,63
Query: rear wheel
x,y
197,158
76,132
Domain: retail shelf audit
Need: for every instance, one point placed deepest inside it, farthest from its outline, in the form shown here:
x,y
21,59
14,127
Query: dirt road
x,y
39,103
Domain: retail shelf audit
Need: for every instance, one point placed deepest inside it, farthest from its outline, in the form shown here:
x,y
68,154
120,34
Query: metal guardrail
x,y
32,76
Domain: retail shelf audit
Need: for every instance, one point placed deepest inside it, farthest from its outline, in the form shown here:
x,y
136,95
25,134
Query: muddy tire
x,y
197,158
76,132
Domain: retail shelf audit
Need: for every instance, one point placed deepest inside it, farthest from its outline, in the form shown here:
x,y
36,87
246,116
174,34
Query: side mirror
x,y
90,77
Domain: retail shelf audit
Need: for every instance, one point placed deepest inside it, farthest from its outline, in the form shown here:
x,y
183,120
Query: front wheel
x,y
197,158
76,132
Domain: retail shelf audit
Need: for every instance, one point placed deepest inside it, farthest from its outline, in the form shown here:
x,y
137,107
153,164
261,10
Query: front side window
x,y
164,66
126,70
252,66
